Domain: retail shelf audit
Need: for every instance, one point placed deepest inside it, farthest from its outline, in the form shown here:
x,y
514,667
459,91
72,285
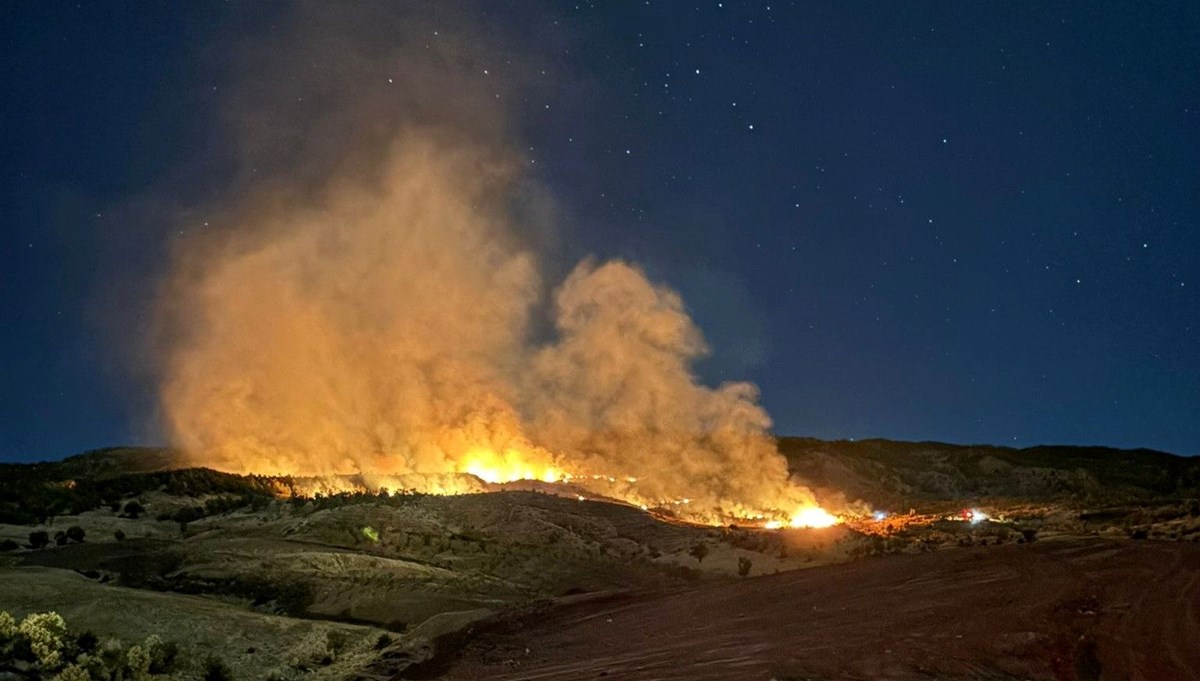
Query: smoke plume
x,y
365,297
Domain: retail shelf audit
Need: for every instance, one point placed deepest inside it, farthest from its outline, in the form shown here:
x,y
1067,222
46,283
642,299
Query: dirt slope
x,y
1080,609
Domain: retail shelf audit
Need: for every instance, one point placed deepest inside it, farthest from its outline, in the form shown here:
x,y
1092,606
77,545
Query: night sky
x,y
974,223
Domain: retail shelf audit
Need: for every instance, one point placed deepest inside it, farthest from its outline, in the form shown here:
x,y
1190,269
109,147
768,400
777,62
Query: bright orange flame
x,y
813,516
489,466
483,466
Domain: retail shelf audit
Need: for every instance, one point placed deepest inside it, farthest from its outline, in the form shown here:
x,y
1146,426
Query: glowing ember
x,y
813,516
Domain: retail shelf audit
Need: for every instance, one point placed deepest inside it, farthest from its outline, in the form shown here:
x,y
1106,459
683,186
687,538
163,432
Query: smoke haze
x,y
367,296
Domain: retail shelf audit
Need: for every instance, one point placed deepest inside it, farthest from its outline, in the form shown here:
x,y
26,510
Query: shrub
x,y
699,551
137,664
215,670
108,660
318,649
42,644
75,533
336,640
39,539
186,515
9,545
134,509
44,631
744,565
60,538
162,655
1029,535
119,535
8,626
73,672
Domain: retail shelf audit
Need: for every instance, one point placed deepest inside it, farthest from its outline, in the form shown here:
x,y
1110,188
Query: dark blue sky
x,y
970,223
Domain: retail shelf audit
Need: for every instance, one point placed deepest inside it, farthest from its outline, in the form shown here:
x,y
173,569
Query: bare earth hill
x,y
1065,609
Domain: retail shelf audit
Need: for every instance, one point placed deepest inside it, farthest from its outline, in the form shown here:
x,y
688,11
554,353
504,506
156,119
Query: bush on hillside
x,y
744,565
39,539
134,509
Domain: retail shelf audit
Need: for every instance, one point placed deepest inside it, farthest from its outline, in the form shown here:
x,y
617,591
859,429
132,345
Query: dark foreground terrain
x,y
1067,609
1087,567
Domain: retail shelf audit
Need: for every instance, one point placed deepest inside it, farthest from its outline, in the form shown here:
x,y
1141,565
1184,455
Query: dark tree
x,y
134,509
60,538
699,551
39,539
744,565
75,533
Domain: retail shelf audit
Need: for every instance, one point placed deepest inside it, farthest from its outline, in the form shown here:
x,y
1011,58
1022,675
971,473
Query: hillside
x,y
875,470
894,473
400,581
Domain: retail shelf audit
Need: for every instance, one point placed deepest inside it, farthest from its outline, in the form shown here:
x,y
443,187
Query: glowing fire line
x,y
493,467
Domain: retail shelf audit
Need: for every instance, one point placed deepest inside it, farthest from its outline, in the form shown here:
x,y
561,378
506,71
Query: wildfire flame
x,y
813,516
483,469
511,466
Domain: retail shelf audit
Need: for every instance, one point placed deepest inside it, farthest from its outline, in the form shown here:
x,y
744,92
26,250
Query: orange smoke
x,y
367,309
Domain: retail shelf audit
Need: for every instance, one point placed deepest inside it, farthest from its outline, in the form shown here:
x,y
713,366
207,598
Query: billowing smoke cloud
x,y
363,302
617,392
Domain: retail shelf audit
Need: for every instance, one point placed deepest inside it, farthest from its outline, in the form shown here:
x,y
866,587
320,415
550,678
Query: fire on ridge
x,y
484,470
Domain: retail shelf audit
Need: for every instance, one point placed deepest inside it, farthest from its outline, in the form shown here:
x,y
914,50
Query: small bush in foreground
x,y
215,670
41,644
